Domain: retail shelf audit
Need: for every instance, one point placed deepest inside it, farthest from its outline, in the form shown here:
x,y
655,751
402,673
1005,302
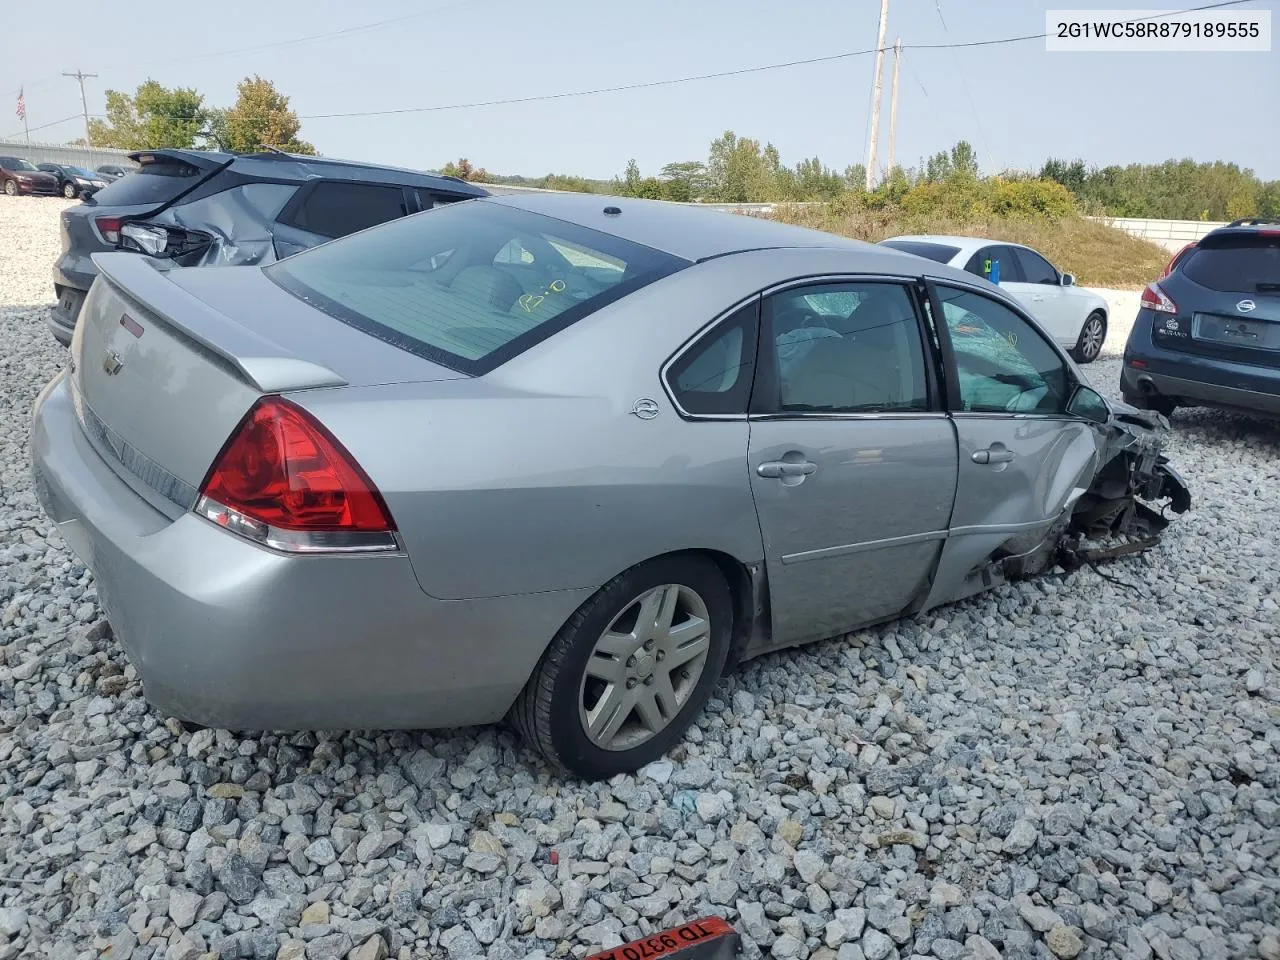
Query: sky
x,y
1016,103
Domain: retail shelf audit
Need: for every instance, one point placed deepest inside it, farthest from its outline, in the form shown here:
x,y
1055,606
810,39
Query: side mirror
x,y
1068,279
1089,404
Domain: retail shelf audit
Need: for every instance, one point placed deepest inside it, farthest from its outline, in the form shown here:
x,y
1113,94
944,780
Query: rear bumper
x,y
1194,380
226,634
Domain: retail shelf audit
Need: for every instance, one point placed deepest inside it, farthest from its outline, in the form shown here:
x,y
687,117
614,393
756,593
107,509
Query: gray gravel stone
x,y
1062,752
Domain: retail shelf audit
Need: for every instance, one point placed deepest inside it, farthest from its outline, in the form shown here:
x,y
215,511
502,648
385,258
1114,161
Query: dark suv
x,y
193,207
1208,333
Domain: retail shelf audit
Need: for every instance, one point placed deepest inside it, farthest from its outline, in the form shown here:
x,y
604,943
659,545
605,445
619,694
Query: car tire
x,y
567,695
11,188
69,191
1092,337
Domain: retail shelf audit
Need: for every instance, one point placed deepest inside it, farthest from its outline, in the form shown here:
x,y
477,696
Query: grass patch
x,y
1098,255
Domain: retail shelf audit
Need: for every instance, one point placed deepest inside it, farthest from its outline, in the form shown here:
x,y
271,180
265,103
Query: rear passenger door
x,y
852,460
326,209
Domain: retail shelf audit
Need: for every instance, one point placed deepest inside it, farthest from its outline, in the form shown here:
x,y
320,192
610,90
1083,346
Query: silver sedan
x,y
564,459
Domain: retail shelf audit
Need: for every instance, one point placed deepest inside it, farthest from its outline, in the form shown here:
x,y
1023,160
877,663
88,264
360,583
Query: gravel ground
x,y
1058,768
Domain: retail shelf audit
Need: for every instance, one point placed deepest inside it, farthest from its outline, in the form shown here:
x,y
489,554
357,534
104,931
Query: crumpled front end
x,y
1124,510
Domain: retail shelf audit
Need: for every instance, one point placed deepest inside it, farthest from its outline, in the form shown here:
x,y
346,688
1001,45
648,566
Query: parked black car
x,y
74,181
113,171
21,176
1208,333
193,207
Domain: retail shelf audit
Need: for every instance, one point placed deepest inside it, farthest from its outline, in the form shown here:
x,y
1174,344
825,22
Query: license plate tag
x,y
707,939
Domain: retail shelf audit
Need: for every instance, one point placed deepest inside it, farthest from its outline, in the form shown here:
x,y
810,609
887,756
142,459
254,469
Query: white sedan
x,y
1075,317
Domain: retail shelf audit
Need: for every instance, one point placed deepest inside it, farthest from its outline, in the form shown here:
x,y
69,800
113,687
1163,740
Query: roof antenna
x,y
612,211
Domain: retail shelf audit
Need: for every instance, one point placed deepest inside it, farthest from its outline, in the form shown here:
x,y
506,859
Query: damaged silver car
x,y
560,458
193,207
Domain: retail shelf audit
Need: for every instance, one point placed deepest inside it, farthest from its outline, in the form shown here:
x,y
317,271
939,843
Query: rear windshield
x,y
157,182
938,252
470,285
1238,264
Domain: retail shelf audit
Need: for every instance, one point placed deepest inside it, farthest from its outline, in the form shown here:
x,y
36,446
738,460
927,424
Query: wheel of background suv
x,y
624,678
69,191
1092,336
11,187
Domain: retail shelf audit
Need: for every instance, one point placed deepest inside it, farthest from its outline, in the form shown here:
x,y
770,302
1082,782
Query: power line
x,y
964,85
54,123
694,78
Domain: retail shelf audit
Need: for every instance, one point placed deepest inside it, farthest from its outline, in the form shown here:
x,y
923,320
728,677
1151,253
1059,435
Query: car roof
x,y
1246,226
683,230
290,166
964,244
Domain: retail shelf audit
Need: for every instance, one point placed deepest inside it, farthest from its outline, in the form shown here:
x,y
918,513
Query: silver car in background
x,y
564,459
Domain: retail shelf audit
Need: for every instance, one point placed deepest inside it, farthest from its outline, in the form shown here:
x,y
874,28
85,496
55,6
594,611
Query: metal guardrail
x,y
1170,234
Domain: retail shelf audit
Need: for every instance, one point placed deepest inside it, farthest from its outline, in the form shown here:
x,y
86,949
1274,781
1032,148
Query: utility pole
x,y
875,99
82,77
893,101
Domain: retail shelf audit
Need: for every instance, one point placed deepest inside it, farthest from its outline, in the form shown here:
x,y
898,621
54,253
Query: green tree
x,y
1071,175
261,118
686,180
464,170
964,161
154,117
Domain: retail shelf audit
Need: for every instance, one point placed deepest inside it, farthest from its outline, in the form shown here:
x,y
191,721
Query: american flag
x,y
22,105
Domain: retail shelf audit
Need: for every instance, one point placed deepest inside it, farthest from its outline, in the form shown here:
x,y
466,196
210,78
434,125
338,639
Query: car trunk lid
x,y
161,378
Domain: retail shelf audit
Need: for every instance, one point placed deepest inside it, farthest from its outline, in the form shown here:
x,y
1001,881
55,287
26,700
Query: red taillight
x,y
1173,261
1153,298
109,227
284,480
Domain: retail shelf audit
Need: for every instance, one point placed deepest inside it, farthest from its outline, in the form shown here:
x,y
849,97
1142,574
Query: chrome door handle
x,y
776,469
996,453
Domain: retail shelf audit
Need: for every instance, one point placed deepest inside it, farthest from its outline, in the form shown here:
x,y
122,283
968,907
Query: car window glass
x,y
514,252
714,375
157,182
1035,268
1239,268
335,209
846,348
433,284
1002,362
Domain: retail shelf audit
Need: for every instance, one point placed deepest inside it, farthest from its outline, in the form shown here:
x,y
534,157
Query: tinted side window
x,y
980,264
1003,363
714,375
846,348
335,209
1035,268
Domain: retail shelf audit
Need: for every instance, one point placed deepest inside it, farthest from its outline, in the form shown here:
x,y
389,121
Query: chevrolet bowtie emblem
x,y
112,363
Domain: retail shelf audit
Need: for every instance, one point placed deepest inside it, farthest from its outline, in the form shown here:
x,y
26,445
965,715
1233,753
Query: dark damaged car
x,y
194,208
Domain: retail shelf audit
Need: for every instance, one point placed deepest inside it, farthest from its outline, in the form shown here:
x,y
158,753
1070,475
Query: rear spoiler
x,y
262,363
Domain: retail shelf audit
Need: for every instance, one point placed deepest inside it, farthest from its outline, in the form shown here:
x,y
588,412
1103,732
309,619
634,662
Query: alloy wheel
x,y
1091,337
644,667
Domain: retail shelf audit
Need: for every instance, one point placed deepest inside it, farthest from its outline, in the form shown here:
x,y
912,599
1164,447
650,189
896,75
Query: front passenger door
x,y
853,462
1022,457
